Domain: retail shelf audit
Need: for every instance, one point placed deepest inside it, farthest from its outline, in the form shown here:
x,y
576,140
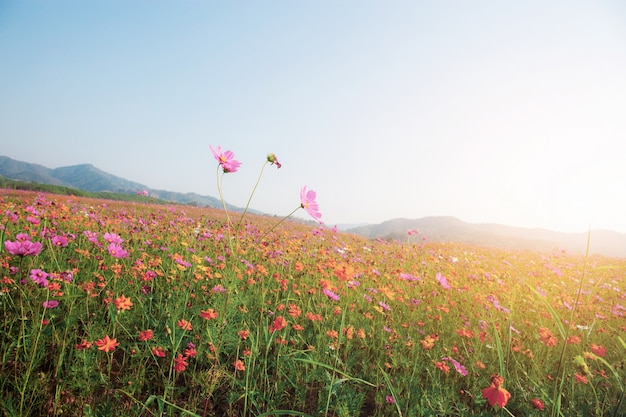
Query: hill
x,y
89,178
451,229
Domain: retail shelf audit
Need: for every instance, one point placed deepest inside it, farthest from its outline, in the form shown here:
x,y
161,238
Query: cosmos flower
x,y
146,335
273,160
307,202
39,277
538,404
442,281
50,304
180,363
495,394
117,251
23,247
226,159
106,344
328,293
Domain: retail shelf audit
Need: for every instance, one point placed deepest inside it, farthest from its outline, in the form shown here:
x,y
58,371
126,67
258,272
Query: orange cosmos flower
x,y
442,365
209,314
123,303
239,365
429,341
243,334
184,324
294,310
333,334
106,344
538,404
495,394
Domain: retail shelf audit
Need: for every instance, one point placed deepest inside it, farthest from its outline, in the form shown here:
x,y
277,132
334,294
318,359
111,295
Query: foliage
x,y
171,310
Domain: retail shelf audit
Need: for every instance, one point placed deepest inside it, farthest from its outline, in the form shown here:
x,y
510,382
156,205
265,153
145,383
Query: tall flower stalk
x,y
227,164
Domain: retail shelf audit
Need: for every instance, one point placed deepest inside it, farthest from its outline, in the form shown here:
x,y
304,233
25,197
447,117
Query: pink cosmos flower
x,y
442,281
60,241
23,247
328,293
50,304
226,159
39,277
307,202
117,251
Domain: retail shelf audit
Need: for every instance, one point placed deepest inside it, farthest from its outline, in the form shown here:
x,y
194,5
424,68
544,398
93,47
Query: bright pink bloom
x,y
23,247
442,281
307,202
226,159
60,241
117,251
40,277
50,304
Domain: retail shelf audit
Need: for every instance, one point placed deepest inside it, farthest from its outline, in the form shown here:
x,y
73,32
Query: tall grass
x,y
249,326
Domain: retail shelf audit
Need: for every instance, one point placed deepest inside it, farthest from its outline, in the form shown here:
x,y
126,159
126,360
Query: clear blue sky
x,y
491,111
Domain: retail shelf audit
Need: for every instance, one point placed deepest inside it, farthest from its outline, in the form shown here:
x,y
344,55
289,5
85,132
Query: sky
x,y
489,111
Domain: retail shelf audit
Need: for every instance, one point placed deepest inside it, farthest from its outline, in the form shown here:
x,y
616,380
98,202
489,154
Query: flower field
x,y
122,309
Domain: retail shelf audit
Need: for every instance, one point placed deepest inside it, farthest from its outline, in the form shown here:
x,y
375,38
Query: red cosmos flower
x,y
598,350
180,363
581,378
158,351
209,314
146,335
106,344
495,394
538,404
226,159
279,324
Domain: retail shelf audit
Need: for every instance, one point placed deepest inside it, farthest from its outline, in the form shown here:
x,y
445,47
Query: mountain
x,y
89,178
451,229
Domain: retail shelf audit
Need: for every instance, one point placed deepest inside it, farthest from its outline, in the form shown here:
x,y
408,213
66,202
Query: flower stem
x,y
251,194
282,220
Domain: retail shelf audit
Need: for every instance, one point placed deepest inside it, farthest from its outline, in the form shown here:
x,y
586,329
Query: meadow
x,y
115,308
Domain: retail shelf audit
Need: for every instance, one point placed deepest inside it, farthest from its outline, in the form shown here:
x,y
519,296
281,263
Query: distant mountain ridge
x,y
439,229
451,229
89,178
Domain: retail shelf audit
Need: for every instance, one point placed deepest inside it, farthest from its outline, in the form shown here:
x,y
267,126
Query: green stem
x,y
251,194
282,220
229,223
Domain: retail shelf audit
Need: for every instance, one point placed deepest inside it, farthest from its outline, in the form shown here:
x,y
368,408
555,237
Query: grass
x,y
207,320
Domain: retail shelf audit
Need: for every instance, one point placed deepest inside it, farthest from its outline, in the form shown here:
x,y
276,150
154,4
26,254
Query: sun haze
x,y
491,111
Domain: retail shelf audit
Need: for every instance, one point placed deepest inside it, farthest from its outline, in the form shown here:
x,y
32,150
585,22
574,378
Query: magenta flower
x,y
307,202
328,293
442,281
50,304
39,277
457,366
60,241
117,251
23,247
225,159
113,238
